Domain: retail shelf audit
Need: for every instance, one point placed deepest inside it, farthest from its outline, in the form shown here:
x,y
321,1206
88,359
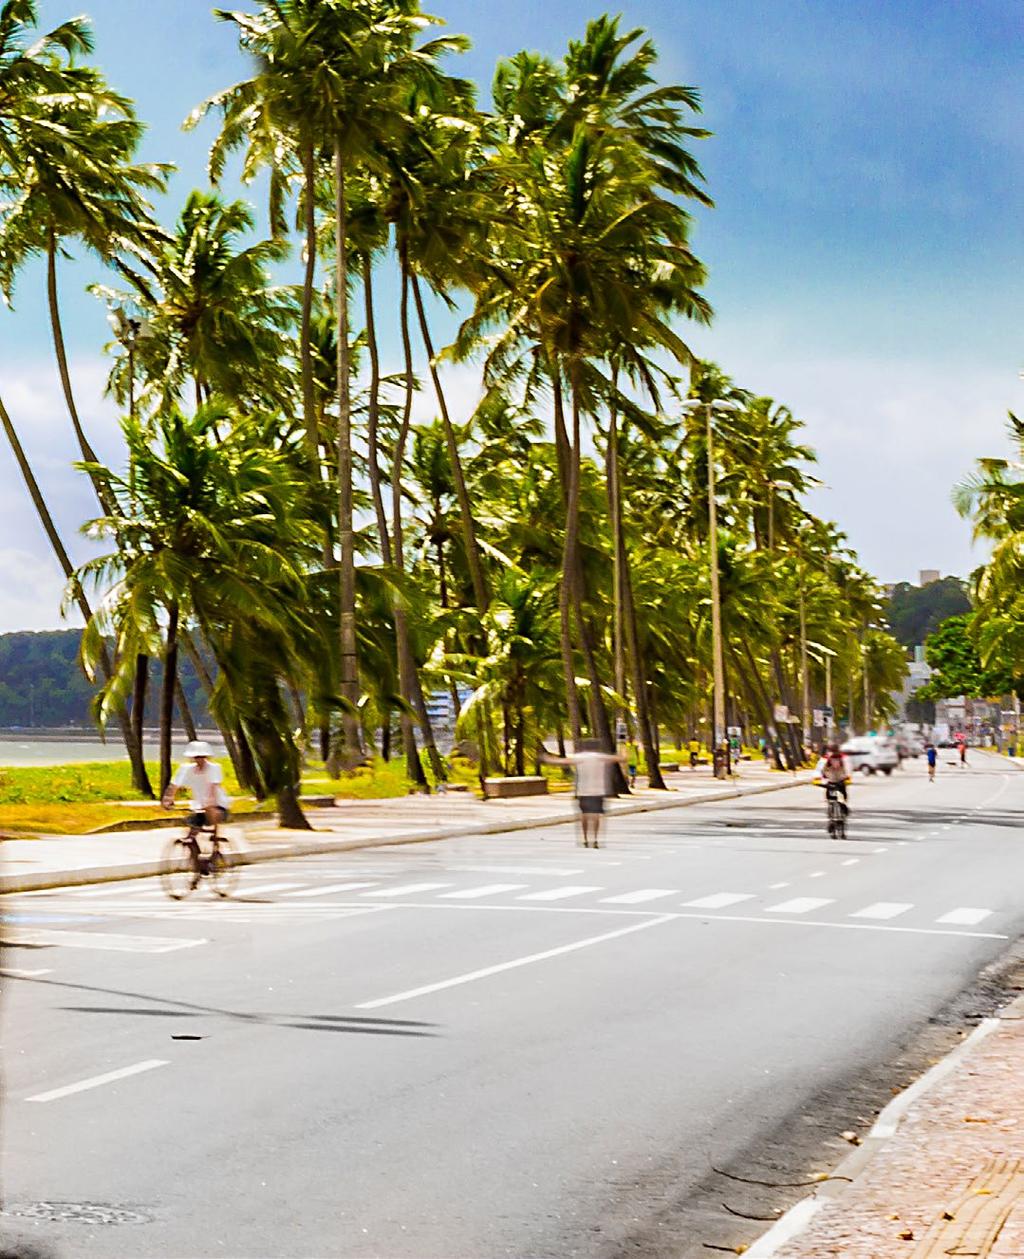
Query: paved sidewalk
x,y
65,860
942,1172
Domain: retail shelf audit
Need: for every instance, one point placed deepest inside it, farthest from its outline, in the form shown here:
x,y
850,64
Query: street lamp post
x,y
718,664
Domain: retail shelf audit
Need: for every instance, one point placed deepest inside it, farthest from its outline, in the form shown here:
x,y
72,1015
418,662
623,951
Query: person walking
x,y
932,756
694,751
961,743
592,768
633,765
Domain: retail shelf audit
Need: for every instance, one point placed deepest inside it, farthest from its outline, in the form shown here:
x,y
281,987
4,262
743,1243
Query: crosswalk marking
x,y
799,905
555,872
98,940
719,900
475,893
559,893
108,889
965,917
408,889
883,910
639,898
330,888
262,888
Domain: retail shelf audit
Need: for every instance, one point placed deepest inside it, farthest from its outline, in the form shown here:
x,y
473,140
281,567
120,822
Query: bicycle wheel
x,y
224,867
179,874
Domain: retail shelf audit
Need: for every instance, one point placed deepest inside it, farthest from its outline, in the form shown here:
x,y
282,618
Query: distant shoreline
x,y
85,734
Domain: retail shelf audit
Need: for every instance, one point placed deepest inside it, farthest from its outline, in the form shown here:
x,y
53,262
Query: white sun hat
x,y
198,748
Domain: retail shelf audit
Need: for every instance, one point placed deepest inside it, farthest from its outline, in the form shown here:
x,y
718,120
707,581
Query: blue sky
x,y
865,254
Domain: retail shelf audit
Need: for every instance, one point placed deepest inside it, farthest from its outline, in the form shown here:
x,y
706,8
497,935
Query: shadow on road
x,y
189,1009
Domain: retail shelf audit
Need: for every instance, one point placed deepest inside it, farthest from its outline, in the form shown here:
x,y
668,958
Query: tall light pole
x,y
718,663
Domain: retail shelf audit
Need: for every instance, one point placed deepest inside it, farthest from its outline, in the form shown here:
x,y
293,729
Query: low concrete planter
x,y
510,788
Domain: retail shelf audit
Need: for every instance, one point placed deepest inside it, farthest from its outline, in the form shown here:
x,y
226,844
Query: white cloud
x,y
893,437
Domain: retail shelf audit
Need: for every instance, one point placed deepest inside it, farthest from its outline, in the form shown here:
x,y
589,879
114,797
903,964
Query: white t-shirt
x,y
591,773
199,783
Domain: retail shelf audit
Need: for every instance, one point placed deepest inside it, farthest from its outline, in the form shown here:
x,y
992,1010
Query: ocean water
x,y
26,751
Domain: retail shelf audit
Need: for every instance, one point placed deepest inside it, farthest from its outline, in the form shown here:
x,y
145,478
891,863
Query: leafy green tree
x,y
914,612
952,652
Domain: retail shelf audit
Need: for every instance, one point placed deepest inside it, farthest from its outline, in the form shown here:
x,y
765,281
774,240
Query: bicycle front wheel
x,y
179,873
224,867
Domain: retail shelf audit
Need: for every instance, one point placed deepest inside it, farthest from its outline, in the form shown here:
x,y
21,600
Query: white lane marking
x,y
965,916
557,873
408,889
638,898
117,889
330,889
881,850
844,926
818,874
850,861
262,888
529,960
776,887
474,893
18,972
799,905
559,893
98,940
95,1081
882,910
719,901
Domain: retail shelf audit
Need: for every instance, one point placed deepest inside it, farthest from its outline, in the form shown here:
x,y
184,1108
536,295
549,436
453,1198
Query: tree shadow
x,y
355,1024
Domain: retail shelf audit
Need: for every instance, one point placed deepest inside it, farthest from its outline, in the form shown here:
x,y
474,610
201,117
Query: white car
x,y
871,755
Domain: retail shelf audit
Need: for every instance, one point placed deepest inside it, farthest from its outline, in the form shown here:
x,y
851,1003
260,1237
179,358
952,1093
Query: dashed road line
x,y
529,960
95,1081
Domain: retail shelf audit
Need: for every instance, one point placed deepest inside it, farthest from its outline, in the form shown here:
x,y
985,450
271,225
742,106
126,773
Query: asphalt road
x,y
500,1046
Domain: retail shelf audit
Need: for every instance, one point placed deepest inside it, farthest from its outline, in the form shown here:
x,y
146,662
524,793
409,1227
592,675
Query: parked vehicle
x,y
871,754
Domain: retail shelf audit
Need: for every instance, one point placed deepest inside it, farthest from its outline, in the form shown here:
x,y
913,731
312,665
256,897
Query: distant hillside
x,y
914,612
42,683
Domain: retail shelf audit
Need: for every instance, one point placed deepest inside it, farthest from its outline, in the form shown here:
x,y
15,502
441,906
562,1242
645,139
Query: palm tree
x,y
78,182
223,533
346,61
37,79
218,325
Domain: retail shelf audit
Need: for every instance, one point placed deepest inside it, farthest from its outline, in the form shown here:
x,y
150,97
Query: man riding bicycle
x,y
204,779
834,771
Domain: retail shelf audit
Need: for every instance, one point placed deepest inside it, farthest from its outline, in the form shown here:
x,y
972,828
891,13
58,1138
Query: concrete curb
x,y
312,848
790,1225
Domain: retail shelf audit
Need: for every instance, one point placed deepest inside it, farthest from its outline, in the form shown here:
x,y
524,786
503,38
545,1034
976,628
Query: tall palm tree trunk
x,y
406,665
373,414
309,414
476,570
187,720
84,445
231,743
644,720
565,591
351,738
132,745
167,696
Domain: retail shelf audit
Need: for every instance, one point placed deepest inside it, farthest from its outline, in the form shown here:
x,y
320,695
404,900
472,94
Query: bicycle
x,y
836,811
186,864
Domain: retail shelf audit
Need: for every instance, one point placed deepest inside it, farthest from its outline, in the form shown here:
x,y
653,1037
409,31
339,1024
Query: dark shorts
x,y
199,819
590,804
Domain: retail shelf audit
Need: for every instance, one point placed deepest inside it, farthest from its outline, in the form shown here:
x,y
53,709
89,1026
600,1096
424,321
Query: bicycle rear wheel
x,y
179,874
224,867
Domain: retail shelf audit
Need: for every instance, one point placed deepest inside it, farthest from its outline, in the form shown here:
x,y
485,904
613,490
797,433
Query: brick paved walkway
x,y
951,1180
